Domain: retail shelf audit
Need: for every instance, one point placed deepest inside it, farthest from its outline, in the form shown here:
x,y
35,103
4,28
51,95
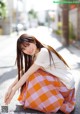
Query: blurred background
x,y
23,14
63,19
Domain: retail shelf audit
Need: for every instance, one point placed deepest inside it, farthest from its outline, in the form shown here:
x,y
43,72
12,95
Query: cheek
x,y
25,51
35,47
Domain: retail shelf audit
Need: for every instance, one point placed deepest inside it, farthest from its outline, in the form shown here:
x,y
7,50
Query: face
x,y
30,49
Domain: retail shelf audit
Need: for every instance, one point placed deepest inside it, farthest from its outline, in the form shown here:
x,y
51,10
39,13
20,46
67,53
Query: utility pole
x,y
78,21
65,22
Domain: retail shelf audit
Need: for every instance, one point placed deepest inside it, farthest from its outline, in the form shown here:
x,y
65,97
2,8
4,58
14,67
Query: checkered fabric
x,y
46,93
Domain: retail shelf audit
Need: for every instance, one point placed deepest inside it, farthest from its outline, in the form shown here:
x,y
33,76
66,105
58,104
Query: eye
x,y
23,46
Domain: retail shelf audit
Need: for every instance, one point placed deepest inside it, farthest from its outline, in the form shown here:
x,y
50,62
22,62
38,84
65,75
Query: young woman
x,y
44,77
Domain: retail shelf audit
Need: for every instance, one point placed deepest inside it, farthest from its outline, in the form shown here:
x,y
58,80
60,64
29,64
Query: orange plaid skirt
x,y
44,92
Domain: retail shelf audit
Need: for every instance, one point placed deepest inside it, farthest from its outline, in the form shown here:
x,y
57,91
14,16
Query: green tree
x,y
2,9
33,13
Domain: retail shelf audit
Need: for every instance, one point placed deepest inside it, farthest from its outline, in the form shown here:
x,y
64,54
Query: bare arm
x,y
23,79
10,88
14,82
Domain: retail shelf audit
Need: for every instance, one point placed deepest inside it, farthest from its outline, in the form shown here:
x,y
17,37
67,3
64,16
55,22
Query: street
x,y
8,70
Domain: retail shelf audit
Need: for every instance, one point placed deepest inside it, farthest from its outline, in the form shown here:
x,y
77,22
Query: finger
x,y
10,98
6,97
6,102
8,94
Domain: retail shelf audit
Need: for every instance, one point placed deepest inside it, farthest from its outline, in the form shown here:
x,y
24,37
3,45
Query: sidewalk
x,y
71,54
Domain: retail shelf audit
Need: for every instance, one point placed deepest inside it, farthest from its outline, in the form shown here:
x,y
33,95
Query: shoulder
x,y
42,55
42,58
43,51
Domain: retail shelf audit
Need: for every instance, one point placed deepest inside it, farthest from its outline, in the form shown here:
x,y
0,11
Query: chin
x,y
32,54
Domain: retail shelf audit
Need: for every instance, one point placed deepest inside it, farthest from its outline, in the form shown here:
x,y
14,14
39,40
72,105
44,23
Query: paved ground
x,y
8,70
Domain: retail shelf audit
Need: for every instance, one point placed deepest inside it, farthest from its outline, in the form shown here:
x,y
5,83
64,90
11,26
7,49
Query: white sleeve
x,y
43,58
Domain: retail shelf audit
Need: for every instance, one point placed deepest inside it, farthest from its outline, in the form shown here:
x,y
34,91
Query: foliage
x,y
52,19
32,13
71,30
2,9
59,25
59,31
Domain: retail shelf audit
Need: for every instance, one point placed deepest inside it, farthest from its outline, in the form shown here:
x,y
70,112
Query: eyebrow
x,y
23,45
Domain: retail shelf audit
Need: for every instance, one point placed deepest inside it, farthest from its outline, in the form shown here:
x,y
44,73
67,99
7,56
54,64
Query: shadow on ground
x,y
20,109
8,75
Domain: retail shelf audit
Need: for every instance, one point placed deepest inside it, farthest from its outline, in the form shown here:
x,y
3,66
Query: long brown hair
x,y
24,61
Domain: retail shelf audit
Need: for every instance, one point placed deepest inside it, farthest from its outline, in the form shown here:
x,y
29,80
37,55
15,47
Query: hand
x,y
9,95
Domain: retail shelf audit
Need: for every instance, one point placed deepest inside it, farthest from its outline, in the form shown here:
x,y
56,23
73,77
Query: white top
x,y
59,69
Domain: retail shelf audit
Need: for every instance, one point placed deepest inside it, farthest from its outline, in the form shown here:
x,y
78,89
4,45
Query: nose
x,y
29,50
